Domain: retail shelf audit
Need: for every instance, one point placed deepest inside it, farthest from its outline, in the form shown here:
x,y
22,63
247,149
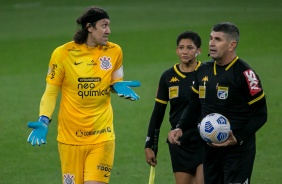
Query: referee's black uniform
x,y
175,87
235,91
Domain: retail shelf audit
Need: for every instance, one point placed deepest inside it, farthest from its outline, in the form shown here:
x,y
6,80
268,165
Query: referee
x,y
174,87
229,86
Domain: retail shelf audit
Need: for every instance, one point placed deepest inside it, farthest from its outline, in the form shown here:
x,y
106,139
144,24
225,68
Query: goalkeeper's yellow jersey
x,y
85,75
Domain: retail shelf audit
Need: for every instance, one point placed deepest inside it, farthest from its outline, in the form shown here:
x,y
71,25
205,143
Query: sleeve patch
x,y
252,82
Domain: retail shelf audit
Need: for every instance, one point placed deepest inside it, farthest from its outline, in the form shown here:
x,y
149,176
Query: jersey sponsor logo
x,y
105,167
252,82
105,63
92,63
174,79
91,93
69,178
89,79
173,92
86,88
222,92
80,133
51,71
74,49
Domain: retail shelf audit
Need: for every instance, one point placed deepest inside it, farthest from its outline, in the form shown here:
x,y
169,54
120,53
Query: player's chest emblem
x,y
105,63
222,92
69,178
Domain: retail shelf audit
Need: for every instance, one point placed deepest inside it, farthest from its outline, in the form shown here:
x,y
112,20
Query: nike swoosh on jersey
x,y
77,63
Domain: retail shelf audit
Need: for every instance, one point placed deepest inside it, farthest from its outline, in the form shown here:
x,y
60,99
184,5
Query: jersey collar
x,y
228,66
180,74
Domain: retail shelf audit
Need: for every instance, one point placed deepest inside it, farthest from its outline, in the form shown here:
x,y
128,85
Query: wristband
x,y
44,119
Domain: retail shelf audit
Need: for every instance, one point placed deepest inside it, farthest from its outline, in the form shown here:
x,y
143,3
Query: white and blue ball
x,y
214,128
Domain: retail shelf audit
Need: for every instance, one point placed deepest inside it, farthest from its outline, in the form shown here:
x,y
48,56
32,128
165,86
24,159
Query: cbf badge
x,y
222,92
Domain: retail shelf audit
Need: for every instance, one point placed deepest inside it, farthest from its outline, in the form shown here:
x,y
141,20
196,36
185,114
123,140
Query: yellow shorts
x,y
80,163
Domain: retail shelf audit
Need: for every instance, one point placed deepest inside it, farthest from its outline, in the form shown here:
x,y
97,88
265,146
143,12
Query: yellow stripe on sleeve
x,y
256,99
161,101
196,91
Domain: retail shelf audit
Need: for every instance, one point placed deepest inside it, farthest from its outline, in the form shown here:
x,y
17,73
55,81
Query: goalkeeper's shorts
x,y
80,163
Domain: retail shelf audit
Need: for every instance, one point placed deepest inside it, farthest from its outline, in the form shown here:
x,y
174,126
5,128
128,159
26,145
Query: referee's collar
x,y
227,67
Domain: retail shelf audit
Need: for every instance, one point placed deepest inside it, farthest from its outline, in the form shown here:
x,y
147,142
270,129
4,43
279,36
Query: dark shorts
x,y
187,156
230,165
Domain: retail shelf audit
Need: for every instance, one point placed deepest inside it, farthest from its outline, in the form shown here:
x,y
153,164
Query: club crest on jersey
x,y
105,63
252,82
222,92
69,178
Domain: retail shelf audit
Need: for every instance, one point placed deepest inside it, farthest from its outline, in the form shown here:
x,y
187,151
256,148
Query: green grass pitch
x,y
147,31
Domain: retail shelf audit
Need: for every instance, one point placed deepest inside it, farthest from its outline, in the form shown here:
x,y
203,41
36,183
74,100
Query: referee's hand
x,y
174,135
229,142
150,157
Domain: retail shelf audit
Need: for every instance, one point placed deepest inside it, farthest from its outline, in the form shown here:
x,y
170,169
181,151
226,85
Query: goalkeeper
x,y
85,71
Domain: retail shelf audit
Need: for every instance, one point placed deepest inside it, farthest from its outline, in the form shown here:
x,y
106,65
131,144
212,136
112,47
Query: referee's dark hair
x,y
190,35
228,28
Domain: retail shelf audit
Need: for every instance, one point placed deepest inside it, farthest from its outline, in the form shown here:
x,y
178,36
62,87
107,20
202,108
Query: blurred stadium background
x,y
147,31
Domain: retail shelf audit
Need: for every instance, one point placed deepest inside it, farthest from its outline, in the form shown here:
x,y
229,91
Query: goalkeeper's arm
x,y
48,100
47,106
123,88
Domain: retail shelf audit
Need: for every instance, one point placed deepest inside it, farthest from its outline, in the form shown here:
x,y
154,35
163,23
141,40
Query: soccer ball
x,y
214,128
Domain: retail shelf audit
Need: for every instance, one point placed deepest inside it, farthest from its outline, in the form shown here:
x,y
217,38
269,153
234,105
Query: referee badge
x,y
202,91
173,92
222,92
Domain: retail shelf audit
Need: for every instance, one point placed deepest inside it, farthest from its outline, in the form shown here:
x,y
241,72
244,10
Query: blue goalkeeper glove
x,y
39,132
123,89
